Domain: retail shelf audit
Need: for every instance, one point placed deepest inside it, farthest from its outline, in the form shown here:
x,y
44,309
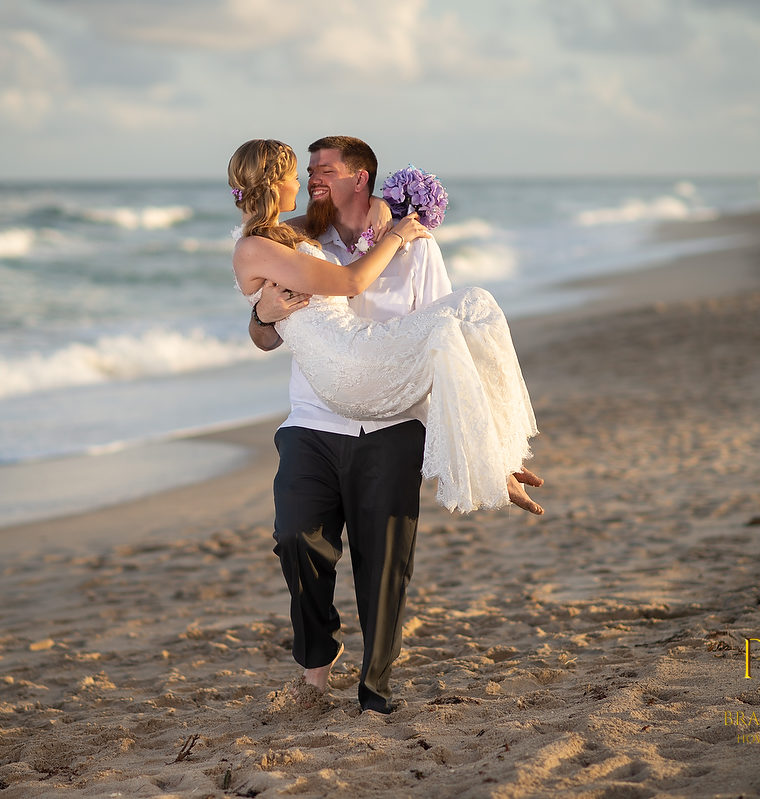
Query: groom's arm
x,y
275,303
265,338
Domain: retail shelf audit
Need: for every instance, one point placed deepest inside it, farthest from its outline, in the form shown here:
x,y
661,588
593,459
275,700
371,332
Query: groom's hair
x,y
355,153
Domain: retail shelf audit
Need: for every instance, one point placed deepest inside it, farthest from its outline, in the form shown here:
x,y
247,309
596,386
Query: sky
x,y
97,89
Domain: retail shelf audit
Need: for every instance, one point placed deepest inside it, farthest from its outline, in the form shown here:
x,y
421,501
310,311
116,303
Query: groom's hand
x,y
278,303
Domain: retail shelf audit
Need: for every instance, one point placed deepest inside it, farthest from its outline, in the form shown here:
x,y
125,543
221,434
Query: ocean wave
x,y
154,353
472,229
222,245
52,212
685,188
476,251
636,210
146,218
482,264
16,242
25,243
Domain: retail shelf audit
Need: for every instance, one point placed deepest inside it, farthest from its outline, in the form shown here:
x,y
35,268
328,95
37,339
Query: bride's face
x,y
288,190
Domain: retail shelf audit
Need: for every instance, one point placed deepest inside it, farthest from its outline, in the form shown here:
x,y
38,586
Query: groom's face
x,y
330,180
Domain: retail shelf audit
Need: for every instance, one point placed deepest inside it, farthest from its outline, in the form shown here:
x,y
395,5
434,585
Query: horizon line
x,y
10,180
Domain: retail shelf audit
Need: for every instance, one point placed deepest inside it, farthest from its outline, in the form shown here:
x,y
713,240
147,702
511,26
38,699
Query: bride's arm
x,y
379,217
257,259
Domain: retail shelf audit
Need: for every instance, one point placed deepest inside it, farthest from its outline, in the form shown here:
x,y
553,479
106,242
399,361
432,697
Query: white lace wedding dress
x,y
459,350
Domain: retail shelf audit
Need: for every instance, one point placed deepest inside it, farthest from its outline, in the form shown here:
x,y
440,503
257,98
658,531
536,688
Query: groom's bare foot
x,y
519,496
318,677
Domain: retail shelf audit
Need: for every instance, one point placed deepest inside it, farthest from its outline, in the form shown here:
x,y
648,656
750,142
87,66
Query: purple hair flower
x,y
237,194
412,189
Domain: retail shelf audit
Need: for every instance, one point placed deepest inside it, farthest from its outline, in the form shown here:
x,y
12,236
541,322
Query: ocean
x,y
120,322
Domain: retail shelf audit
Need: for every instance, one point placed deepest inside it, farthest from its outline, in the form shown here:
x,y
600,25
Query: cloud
x,y
751,8
610,91
32,77
621,26
97,62
407,42
526,80
398,40
387,46
226,26
141,112
657,66
59,76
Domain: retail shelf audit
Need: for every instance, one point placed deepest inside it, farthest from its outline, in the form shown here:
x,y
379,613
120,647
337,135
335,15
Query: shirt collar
x,y
331,236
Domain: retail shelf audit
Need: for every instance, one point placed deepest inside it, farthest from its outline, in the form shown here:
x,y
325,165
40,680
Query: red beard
x,y
320,214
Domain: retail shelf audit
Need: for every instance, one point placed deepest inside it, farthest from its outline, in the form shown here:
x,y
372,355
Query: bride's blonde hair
x,y
255,172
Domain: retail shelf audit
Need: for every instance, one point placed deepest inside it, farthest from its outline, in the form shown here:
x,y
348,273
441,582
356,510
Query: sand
x,y
597,651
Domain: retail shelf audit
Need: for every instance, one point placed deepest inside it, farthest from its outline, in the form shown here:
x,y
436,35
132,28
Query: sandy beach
x,y
597,651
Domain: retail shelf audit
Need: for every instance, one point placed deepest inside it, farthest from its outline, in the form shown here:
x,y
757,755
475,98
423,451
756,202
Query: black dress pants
x,y
370,483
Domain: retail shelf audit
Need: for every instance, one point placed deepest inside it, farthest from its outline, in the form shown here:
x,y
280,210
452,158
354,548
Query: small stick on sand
x,y
187,747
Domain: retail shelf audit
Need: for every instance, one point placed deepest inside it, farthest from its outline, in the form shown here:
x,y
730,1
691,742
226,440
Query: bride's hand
x,y
378,217
410,228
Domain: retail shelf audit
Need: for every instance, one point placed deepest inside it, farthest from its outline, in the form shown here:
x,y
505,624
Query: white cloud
x,y
405,41
101,110
386,44
33,75
621,26
610,91
230,25
398,40
750,9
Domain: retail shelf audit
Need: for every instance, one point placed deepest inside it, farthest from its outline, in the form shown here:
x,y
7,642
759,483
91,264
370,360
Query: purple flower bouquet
x,y
411,189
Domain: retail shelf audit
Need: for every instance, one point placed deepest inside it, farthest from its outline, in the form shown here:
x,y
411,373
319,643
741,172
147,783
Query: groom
x,y
334,471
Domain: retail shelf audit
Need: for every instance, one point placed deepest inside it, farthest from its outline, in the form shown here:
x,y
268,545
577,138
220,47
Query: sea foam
x,y
483,264
476,251
146,218
16,242
636,210
156,352
464,231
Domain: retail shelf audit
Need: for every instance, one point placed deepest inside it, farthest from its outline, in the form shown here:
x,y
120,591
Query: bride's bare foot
x,y
527,477
318,677
518,494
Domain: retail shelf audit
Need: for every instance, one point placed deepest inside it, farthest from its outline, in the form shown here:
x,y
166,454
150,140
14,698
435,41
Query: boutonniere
x,y
364,243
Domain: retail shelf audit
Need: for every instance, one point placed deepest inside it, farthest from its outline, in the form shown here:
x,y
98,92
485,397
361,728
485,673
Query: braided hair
x,y
255,172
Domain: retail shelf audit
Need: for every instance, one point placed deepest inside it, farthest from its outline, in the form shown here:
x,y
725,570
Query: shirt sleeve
x,y
431,281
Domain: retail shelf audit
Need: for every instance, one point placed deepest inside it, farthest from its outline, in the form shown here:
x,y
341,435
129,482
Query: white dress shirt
x,y
411,280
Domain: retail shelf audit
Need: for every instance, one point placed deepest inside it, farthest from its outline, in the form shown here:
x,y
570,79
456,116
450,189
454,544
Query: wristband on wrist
x,y
257,320
400,236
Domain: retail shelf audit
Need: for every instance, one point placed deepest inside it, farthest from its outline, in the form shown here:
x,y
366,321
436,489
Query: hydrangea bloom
x,y
413,189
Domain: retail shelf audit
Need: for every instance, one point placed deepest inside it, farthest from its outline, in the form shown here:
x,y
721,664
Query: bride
x,y
458,350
